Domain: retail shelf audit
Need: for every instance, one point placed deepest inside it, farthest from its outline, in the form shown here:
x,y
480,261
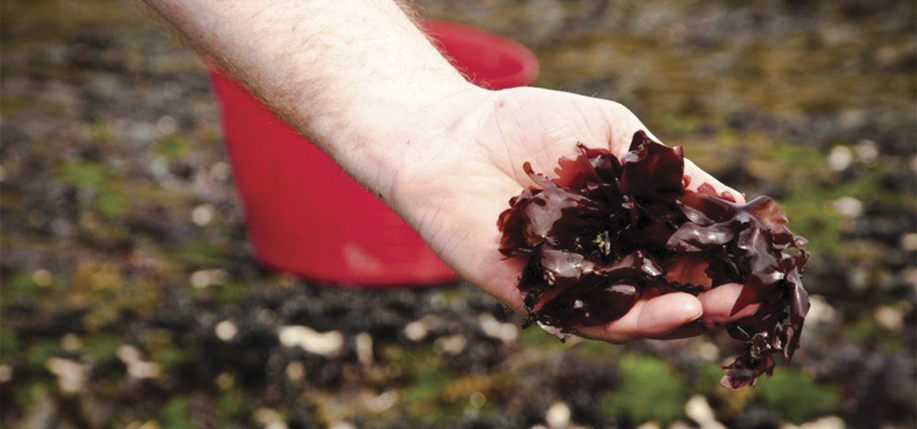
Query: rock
x,y
558,415
71,375
451,345
326,344
364,346
226,330
493,328
698,409
840,158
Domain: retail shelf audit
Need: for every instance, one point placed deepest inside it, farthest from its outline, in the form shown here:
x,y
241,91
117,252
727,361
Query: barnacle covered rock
x,y
607,233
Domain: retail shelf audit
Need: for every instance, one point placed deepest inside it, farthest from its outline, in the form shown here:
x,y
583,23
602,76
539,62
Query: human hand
x,y
454,186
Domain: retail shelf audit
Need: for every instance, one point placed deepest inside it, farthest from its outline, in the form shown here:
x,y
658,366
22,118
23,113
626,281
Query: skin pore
x,y
363,83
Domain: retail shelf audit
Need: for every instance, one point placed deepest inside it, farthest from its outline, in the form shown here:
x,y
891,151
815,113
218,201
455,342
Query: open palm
x,y
457,189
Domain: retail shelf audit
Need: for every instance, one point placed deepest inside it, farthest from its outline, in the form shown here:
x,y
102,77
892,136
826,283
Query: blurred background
x,y
131,300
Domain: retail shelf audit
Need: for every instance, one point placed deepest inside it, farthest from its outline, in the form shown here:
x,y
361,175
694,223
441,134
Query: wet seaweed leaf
x,y
605,234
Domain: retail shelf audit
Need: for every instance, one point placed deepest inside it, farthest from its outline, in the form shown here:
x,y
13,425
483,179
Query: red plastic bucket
x,y
305,216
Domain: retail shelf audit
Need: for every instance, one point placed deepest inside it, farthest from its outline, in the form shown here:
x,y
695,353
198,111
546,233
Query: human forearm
x,y
356,76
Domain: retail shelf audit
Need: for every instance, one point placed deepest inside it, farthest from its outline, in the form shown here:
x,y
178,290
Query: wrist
x,y
403,156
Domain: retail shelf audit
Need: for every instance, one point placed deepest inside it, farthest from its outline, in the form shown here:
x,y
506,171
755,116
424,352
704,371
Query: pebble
x,y
203,278
70,343
137,367
848,207
889,317
820,312
415,331
867,151
383,402
270,419
698,409
152,424
158,167
226,330
364,346
71,375
830,422
225,380
477,399
166,125
859,278
61,227
202,215
706,350
418,329
143,369
558,415
909,242
142,133
909,276
321,343
42,277
295,371
840,158
6,373
493,328
451,345
220,171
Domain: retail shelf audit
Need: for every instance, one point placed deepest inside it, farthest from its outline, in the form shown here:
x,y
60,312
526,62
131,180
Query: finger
x,y
652,318
687,330
719,302
698,177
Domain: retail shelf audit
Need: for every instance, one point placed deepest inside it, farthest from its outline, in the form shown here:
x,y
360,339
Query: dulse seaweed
x,y
607,233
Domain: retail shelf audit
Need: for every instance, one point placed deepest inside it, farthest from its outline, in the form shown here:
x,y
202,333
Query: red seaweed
x,y
607,233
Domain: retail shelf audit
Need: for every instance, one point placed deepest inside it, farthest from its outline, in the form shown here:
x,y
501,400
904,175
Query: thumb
x,y
698,177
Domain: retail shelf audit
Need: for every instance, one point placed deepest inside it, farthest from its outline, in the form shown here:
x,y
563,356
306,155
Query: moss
x,y
83,173
786,164
796,397
868,331
650,391
235,406
111,202
109,193
798,156
38,353
173,147
425,397
174,414
808,207
199,254
102,348
680,124
19,284
170,358
9,345
534,336
806,210
230,293
595,350
727,403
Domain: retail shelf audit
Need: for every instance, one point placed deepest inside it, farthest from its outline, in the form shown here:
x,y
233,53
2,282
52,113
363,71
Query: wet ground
x,y
130,299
